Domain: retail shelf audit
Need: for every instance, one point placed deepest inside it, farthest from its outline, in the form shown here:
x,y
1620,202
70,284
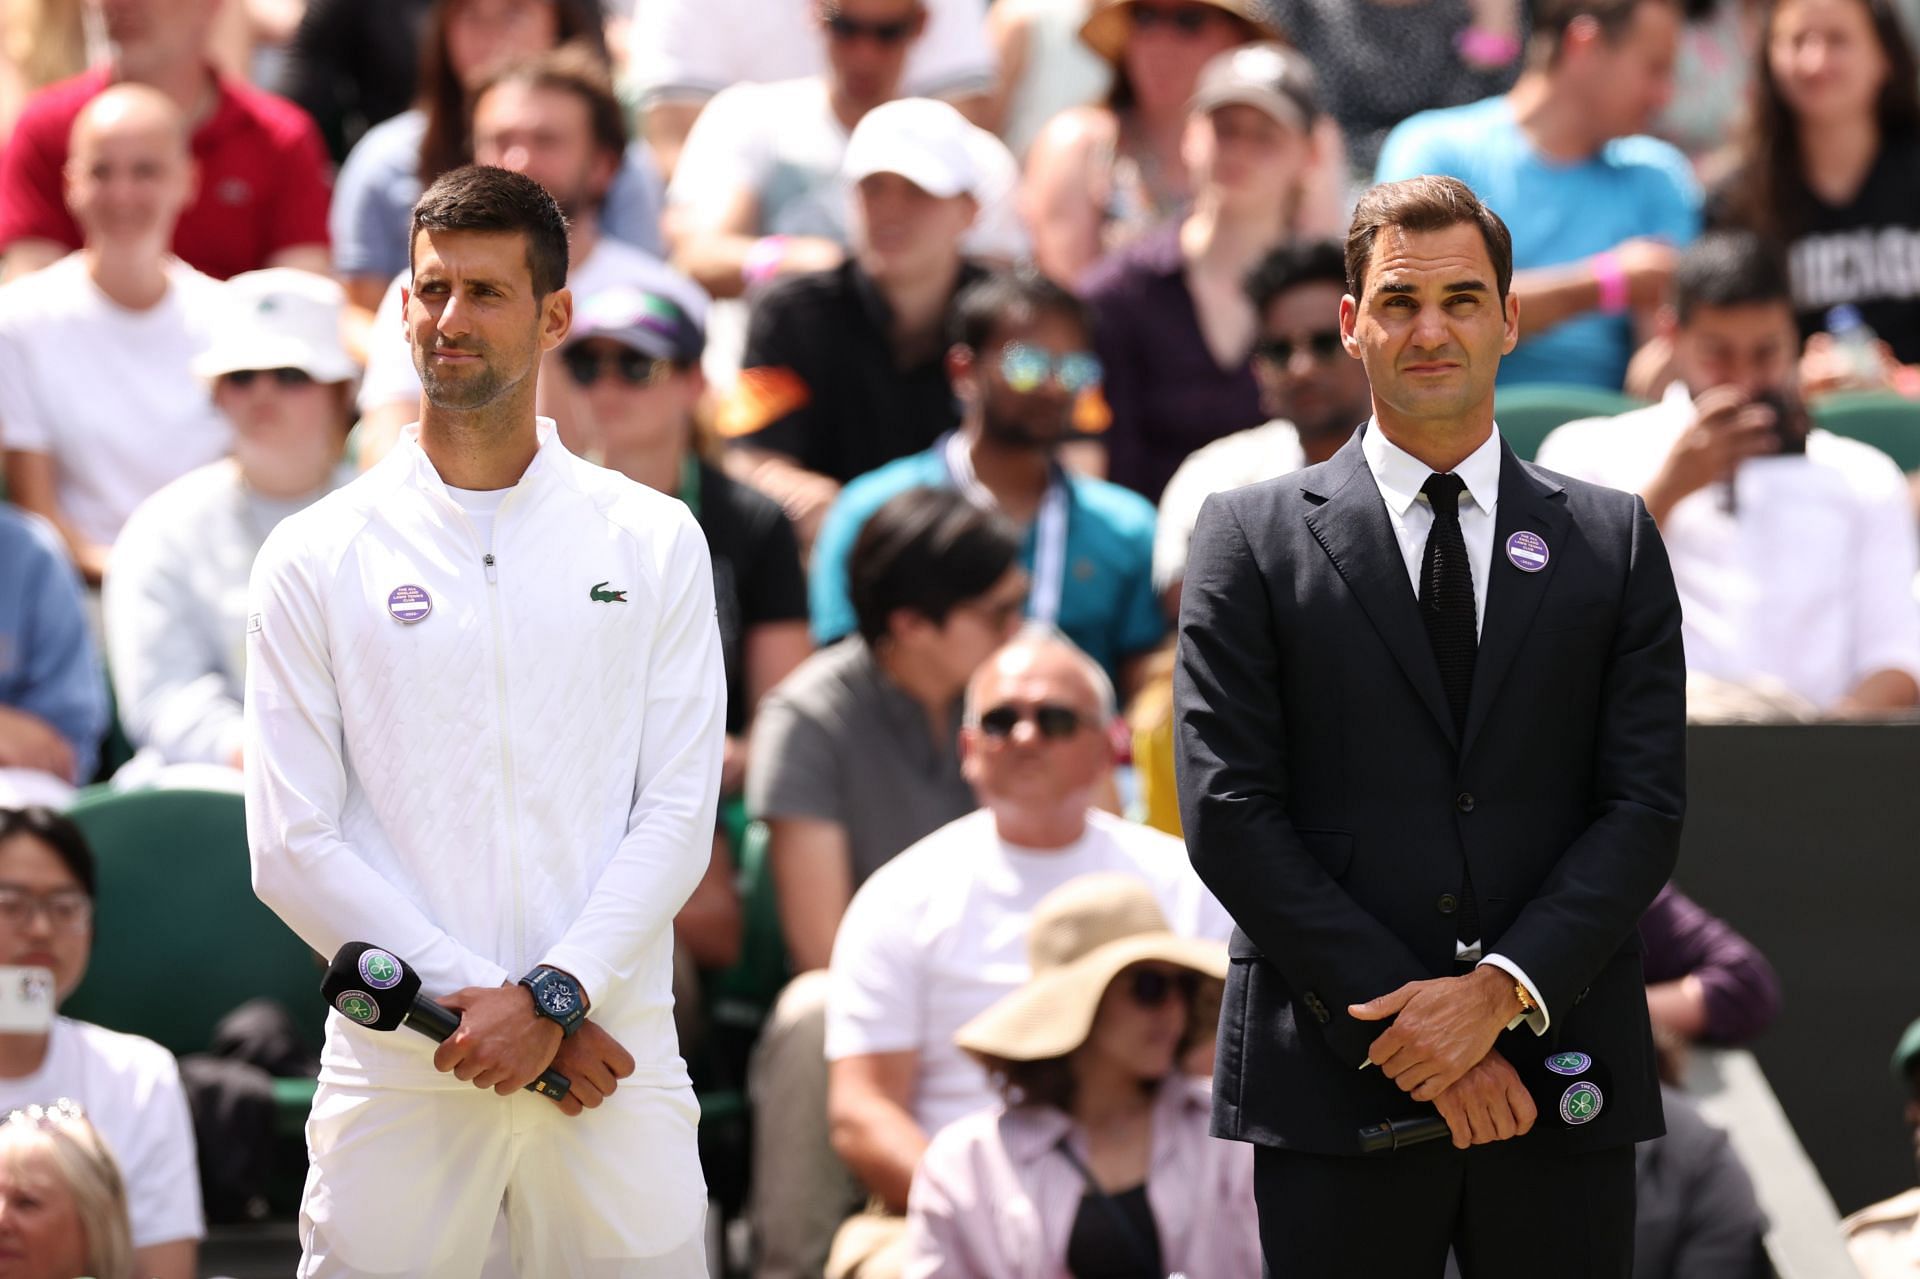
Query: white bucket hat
x,y
279,318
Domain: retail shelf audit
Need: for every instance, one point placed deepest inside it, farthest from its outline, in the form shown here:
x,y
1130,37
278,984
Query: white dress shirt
x,y
1400,476
1807,582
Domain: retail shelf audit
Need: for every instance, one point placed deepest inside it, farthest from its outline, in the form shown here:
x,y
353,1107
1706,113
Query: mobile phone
x,y
26,1000
1789,422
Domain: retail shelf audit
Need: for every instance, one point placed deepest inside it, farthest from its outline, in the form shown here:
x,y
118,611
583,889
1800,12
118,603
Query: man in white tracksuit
x,y
484,713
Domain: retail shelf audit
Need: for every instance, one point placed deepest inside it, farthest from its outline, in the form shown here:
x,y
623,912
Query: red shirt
x,y
263,177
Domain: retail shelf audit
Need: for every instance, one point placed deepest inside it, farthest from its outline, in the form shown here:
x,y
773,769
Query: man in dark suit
x,y
1430,725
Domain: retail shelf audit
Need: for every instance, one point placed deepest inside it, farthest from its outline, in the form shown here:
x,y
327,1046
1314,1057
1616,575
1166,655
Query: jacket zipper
x,y
488,562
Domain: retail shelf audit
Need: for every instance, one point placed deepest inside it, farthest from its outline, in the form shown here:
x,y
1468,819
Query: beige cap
x,y
1269,77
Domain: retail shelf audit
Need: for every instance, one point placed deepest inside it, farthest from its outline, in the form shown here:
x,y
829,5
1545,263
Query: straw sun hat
x,y
1084,934
1106,29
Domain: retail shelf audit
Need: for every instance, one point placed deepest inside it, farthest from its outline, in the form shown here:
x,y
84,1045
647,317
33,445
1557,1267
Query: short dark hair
x,y
572,68
61,837
479,197
1292,265
1730,268
927,550
1551,18
1426,203
1004,297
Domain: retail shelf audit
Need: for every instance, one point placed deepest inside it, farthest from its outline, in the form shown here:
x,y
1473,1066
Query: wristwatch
x,y
557,997
1527,1006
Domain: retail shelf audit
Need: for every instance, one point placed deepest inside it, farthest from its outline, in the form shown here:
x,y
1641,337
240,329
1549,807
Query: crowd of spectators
x,y
944,317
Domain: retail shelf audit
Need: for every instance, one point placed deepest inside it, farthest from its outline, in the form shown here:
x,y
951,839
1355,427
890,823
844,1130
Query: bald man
x,y
940,932
263,196
98,404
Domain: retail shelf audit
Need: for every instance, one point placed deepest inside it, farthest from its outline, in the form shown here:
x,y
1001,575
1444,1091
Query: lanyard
x,y
690,483
1050,529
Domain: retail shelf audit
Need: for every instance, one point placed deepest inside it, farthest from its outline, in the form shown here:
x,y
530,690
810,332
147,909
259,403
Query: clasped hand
x,y
503,1044
1440,1049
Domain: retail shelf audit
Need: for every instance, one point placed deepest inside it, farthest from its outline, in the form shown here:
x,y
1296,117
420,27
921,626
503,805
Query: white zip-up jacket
x,y
526,774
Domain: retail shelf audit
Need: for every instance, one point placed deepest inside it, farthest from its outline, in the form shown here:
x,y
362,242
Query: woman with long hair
x,y
1098,177
1098,1163
1830,167
63,1203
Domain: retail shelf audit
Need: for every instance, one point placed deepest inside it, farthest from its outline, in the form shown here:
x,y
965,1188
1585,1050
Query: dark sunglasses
x,y
281,377
841,27
1054,721
1152,987
633,368
1187,19
1322,346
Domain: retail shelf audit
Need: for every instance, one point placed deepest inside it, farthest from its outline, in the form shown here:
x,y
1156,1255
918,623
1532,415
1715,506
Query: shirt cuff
x,y
1538,1020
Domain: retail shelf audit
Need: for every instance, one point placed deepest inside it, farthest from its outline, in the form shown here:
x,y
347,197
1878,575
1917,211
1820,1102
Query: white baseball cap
x,y
279,318
926,142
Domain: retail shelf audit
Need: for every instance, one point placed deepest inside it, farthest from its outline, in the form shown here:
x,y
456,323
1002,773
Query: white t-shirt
x,y
690,49
391,377
481,505
940,933
1230,462
130,1089
108,393
1808,582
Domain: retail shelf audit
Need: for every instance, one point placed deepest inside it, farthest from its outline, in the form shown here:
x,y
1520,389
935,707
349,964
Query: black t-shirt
x,y
756,573
1098,1247
819,384
1865,253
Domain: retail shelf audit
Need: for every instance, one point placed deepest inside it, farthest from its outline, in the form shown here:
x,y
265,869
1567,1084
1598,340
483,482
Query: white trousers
x,y
409,1182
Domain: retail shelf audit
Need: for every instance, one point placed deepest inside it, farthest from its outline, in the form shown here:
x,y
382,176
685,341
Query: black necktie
x,y
1446,606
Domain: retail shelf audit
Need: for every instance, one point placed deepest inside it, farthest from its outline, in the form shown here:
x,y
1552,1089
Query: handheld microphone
x,y
372,987
1568,1088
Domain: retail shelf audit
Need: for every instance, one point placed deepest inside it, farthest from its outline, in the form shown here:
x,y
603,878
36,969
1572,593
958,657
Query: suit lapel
x,y
1528,504
1352,526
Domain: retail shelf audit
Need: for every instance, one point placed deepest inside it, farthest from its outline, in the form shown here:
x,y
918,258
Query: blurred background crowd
x,y
944,317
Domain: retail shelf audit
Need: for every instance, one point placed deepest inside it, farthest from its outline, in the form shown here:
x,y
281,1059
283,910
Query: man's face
x,y
1753,348
476,327
1624,85
288,431
128,178
902,232
867,43
1026,765
546,134
638,403
1429,328
41,888
1029,378
1304,374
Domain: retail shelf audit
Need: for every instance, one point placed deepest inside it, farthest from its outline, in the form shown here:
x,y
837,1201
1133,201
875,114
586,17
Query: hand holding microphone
x,y
374,988
1566,1089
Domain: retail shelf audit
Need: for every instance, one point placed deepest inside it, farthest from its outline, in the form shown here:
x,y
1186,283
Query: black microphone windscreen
x,y
370,986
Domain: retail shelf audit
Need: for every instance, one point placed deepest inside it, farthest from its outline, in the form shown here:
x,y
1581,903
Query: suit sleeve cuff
x,y
1538,1020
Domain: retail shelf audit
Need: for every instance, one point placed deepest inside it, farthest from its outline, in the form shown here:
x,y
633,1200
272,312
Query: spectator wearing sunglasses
x,y
1097,1159
130,1086
554,117
1313,393
854,757
939,934
175,597
1020,364
98,406
845,369
1175,327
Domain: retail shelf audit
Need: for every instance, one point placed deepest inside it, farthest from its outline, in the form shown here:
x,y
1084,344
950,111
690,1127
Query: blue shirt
x,y
48,667
374,194
1107,604
1557,213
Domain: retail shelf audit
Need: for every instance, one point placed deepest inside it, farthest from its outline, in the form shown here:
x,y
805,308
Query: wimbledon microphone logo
x,y
379,969
359,1006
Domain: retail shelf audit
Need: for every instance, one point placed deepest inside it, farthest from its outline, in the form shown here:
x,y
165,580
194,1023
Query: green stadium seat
x,y
1528,414
179,938
1889,422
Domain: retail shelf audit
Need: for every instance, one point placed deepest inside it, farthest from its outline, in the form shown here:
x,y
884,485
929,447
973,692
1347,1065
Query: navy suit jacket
x,y
1329,802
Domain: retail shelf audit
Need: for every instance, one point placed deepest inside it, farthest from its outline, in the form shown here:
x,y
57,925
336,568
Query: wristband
x,y
763,260
1615,296
1487,49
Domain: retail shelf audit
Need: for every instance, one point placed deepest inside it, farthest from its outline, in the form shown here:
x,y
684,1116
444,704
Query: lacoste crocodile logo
x,y
600,595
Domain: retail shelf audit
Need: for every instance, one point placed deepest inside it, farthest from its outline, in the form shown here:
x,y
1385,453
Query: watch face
x,y
556,998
